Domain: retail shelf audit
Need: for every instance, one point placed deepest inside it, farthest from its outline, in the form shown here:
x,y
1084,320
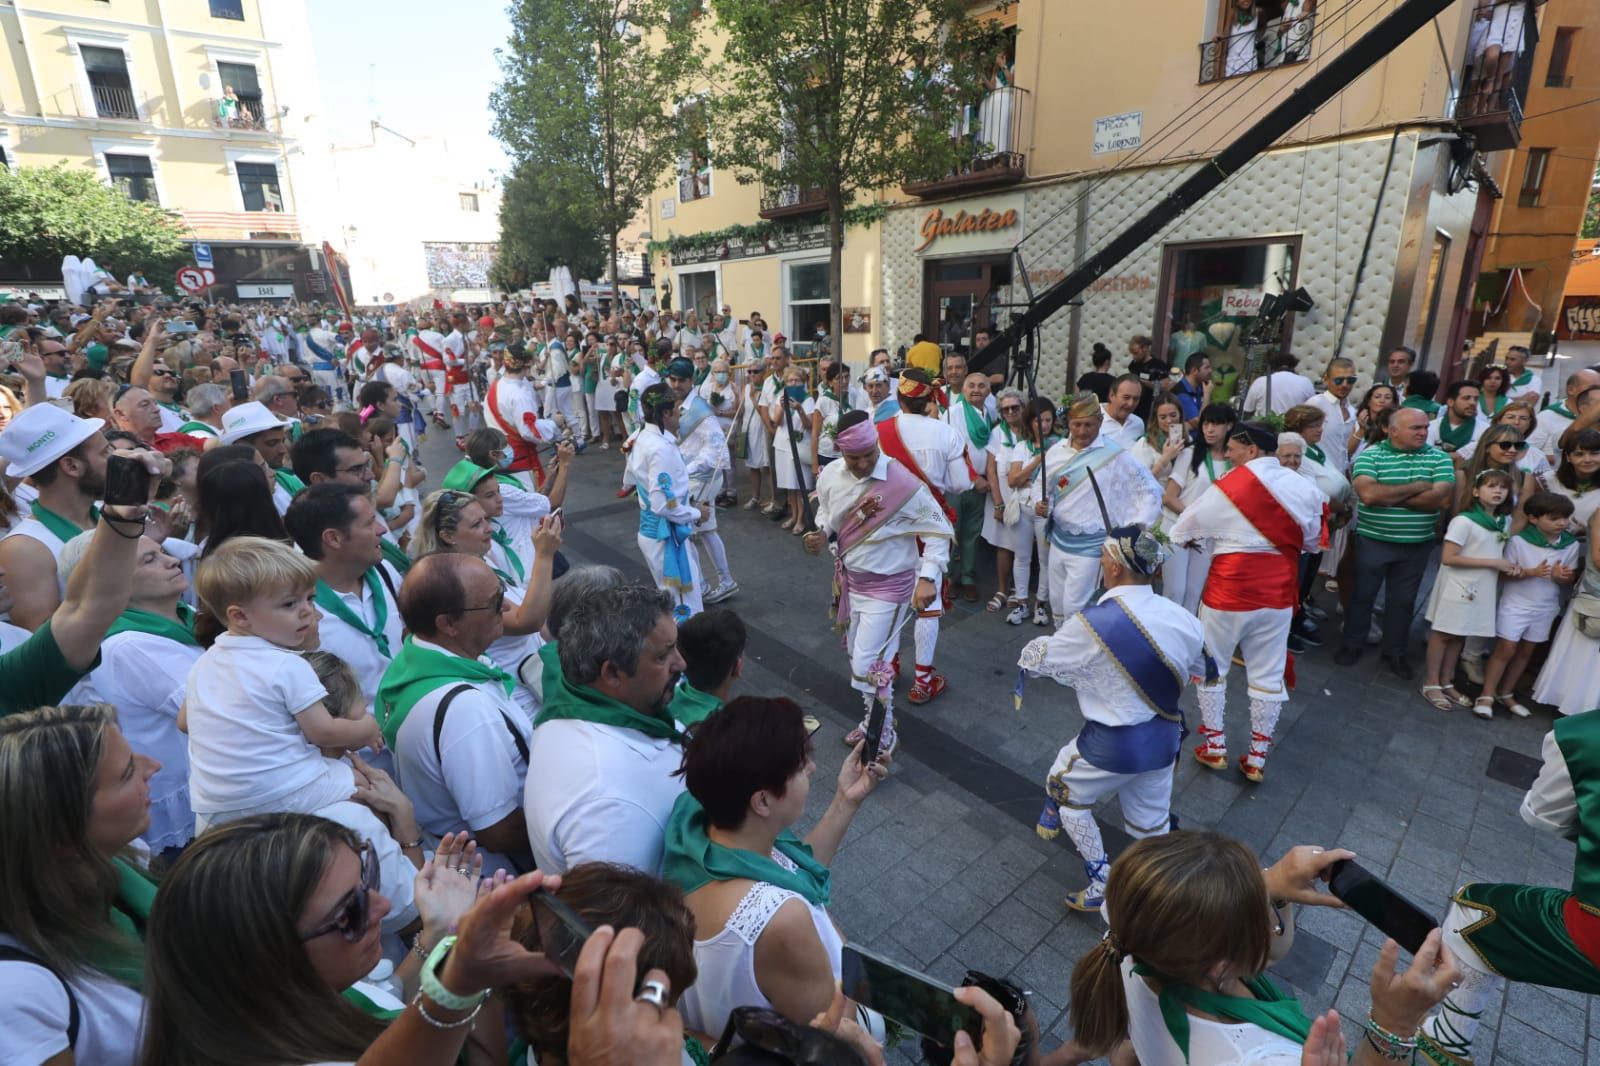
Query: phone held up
x,y
562,933
1394,915
127,481
874,739
240,382
907,997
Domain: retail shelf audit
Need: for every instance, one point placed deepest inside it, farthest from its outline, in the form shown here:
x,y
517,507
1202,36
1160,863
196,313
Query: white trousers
x,y
562,405
1183,576
1022,563
655,554
1073,579
876,627
464,416
1262,635
1078,785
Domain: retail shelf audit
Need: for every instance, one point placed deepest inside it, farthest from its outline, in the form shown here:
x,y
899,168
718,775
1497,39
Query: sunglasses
x,y
162,374
1343,381
1010,409
1516,445
354,913
493,605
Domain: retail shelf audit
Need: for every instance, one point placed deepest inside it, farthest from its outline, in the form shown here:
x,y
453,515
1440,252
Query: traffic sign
x,y
195,279
202,254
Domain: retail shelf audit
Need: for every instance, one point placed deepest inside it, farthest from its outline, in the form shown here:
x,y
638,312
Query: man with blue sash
x,y
1077,523
666,514
704,448
1127,657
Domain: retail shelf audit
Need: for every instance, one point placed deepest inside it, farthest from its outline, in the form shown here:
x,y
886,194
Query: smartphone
x,y
869,750
1393,914
241,385
561,932
127,481
912,999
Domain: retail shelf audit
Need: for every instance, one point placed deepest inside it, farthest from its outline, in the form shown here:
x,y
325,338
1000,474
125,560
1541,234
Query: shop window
x,y
805,301
1213,295
133,176
1557,75
699,291
1533,177
258,184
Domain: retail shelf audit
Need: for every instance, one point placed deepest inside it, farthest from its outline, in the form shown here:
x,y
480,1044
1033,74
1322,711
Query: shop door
x,y
959,297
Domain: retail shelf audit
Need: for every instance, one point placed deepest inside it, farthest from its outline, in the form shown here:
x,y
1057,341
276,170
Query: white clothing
x,y
1183,575
281,498
1479,425
798,422
1338,422
1532,392
171,421
475,779
726,961
1531,605
1551,803
359,651
1210,1042
145,677
1546,433
54,387
891,548
1584,503
509,652
940,451
831,409
1288,389
1126,434
1072,580
397,878
1129,489
599,793
1145,798
1261,636
1214,515
246,751
1017,537
513,408
35,1012
1569,681
1462,603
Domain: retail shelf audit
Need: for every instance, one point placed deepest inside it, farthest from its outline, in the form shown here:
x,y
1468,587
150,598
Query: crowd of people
x,y
411,743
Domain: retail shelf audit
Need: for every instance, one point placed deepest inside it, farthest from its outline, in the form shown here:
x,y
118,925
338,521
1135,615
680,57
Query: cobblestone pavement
x,y
942,870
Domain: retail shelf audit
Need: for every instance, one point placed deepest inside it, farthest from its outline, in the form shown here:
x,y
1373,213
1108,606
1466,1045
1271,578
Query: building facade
x,y
175,101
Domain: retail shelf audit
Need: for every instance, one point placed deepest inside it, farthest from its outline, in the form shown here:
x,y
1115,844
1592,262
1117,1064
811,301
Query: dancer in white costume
x,y
666,517
705,456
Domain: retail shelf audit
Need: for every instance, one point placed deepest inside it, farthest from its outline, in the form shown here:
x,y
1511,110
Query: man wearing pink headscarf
x,y
891,546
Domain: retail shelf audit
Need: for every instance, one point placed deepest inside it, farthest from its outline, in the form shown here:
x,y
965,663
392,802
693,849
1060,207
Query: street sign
x,y
195,279
202,254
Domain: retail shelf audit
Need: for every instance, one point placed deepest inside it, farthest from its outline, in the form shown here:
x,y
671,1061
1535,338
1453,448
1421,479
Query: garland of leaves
x,y
862,215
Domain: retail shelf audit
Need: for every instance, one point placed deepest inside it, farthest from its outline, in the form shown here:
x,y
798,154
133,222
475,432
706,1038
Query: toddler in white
x,y
1545,557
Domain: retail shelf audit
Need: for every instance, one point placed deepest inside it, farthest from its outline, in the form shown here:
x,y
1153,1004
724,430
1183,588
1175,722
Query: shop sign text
x,y
936,224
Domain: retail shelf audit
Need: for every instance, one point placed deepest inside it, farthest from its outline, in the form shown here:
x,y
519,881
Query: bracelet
x,y
1392,1052
112,523
437,1024
392,462
434,988
416,946
417,843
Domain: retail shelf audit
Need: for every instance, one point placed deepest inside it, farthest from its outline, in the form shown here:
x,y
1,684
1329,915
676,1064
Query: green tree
x,y
586,102
539,231
50,212
842,97
1591,214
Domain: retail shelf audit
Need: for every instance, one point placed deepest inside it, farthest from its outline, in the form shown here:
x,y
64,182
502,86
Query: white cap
x,y
42,434
248,419
875,373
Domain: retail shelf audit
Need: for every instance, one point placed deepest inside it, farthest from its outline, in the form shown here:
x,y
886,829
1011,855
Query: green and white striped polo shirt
x,y
1387,465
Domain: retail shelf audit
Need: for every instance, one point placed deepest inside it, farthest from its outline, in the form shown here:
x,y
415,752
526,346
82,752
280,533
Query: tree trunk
x,y
836,270
616,288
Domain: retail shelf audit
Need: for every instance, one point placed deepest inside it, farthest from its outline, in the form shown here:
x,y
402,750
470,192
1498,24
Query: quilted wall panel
x,y
1326,193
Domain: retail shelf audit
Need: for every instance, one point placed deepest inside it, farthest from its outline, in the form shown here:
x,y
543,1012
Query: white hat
x,y
78,320
247,419
876,373
42,434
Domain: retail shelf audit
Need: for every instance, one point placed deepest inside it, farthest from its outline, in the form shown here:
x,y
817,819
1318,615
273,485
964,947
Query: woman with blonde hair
x,y
73,896
1194,922
92,397
1501,447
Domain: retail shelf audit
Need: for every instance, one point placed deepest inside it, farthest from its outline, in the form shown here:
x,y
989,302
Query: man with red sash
x,y
937,456
428,344
513,409
1127,657
1530,933
1260,517
891,546
463,401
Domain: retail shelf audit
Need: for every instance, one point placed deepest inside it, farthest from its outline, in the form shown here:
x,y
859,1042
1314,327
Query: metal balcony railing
x,y
114,101
789,200
1278,43
694,183
988,137
244,114
1500,50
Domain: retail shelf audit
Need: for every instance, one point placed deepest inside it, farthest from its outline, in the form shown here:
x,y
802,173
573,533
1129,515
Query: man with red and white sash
x,y
1123,493
937,456
428,346
513,408
459,394
1530,933
1260,517
891,545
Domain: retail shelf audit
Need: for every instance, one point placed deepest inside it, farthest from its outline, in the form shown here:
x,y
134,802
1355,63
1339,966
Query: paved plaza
x,y
942,869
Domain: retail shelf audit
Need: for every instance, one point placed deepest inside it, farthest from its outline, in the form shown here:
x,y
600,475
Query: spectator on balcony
x,y
228,107
1242,47
1290,33
1495,42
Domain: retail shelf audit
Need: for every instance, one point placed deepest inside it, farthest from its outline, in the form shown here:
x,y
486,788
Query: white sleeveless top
x,y
727,961
32,527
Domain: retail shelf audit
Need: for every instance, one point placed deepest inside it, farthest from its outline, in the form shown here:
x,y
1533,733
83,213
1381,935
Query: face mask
x,y
721,377
796,393
505,461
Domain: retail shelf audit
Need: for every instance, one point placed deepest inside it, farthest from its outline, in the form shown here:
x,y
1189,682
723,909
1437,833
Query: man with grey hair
x,y
605,752
277,395
569,590
207,405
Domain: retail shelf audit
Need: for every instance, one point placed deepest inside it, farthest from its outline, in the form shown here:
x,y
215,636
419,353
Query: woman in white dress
x,y
613,382
1025,476
833,400
1308,422
1002,522
791,413
1194,921
1183,577
726,400
1570,680
756,438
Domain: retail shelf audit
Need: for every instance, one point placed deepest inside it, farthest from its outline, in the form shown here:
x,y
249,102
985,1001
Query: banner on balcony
x,y
1118,133
796,240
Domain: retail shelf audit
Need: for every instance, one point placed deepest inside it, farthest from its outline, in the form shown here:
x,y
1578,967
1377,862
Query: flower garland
x,y
863,215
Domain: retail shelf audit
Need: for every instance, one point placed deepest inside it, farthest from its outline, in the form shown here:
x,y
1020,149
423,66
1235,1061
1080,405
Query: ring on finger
x,y
654,993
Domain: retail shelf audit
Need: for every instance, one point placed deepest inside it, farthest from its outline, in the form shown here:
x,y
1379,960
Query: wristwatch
x,y
434,988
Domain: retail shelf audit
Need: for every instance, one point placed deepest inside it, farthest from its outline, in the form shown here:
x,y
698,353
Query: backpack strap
x,y
388,582
11,953
444,705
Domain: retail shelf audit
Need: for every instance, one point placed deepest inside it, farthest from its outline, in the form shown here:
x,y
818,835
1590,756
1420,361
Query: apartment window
x,y
228,9
805,300
241,104
1556,75
469,201
694,165
258,183
1533,177
133,176
110,85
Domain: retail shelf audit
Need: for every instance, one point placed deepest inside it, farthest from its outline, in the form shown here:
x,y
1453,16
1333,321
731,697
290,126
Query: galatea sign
x,y
940,227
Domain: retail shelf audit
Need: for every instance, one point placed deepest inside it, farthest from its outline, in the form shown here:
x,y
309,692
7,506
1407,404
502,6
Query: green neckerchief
x,y
1524,378
61,528
978,428
134,620
202,428
1270,1009
1211,466
696,1051
691,706
287,481
1456,437
174,408
511,480
702,373
843,402
584,704
693,859
130,910
1011,438
1049,442
1561,409
1499,402
1422,403
1479,517
415,672
394,555
1317,453
1531,534
502,538
334,604
364,1004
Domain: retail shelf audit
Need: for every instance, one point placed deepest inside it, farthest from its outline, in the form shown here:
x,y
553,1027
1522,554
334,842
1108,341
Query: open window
x,y
1257,35
242,104
1533,177
694,161
110,84
258,185
228,9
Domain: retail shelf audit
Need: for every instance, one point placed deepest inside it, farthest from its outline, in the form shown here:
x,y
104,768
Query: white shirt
x,y
171,421
1338,422
54,387
358,650
940,451
35,1012
245,747
476,779
1210,1042
1547,430
1073,656
656,466
1532,392
1213,516
1288,389
1478,426
597,793
1127,434
892,547
955,416
1552,803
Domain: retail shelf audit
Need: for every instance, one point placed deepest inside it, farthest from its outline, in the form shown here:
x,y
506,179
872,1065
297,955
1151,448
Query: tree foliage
x,y
587,102
842,97
539,230
47,213
1591,214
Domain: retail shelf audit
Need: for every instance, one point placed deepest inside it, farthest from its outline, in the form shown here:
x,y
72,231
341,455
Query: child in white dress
x,y
1463,600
